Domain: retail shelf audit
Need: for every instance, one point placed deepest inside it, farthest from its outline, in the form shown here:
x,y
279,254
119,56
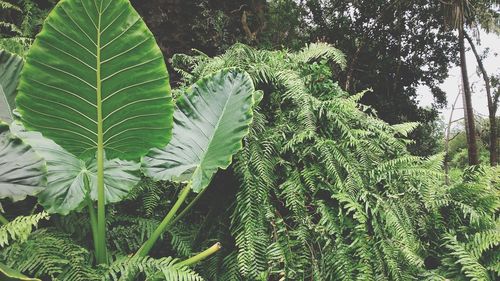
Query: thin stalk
x,y
101,211
101,254
3,220
447,141
201,256
468,108
148,245
188,207
93,223
92,215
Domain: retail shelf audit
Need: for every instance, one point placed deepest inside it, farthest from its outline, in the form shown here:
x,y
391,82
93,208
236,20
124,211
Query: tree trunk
x,y
471,126
466,120
491,104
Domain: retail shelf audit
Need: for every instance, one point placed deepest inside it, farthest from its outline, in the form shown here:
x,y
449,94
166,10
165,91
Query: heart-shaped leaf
x,y
95,79
65,174
22,171
210,121
10,68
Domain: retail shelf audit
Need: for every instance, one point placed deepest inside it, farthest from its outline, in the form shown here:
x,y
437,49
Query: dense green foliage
x,y
295,176
327,191
336,202
93,98
20,21
382,39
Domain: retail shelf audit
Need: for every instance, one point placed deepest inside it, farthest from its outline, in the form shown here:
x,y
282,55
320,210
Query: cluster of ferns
x,y
322,190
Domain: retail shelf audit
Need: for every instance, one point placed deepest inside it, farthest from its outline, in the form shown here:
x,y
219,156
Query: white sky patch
x,y
452,83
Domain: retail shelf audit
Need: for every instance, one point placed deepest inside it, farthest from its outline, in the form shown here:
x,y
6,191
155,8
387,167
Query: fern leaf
x,y
20,228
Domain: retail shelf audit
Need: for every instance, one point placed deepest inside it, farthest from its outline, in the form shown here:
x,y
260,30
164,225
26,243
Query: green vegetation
x,y
260,163
103,127
328,191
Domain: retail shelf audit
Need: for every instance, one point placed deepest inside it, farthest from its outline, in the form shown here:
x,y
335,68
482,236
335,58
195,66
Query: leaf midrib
x,y
100,139
202,157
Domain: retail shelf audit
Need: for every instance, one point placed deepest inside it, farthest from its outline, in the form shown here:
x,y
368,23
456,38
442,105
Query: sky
x,y
451,85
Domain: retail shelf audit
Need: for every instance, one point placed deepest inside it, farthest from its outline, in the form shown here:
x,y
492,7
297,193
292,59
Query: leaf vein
x,y
62,90
132,86
121,34
65,72
61,118
129,68
77,25
73,40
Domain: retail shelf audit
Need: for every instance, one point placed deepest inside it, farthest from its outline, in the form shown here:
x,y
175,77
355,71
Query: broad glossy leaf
x,y
65,174
121,177
9,274
10,69
95,70
210,121
22,171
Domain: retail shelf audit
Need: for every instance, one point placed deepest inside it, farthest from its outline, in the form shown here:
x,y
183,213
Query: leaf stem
x,y
93,223
148,245
101,211
201,256
101,254
189,206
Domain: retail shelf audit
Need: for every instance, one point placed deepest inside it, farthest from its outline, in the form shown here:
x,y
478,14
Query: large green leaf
x,y
9,274
22,171
210,122
10,68
65,175
95,77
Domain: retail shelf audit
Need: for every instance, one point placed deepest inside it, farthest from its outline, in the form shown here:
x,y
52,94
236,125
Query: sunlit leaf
x,y
95,77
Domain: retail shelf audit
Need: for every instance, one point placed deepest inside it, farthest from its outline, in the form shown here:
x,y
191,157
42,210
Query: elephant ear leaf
x,y
9,274
210,121
22,171
95,79
10,68
66,190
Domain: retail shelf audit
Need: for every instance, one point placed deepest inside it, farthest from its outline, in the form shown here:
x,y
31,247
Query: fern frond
x,y
128,233
128,268
405,128
484,240
9,6
470,265
11,27
50,254
20,228
321,50
328,191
